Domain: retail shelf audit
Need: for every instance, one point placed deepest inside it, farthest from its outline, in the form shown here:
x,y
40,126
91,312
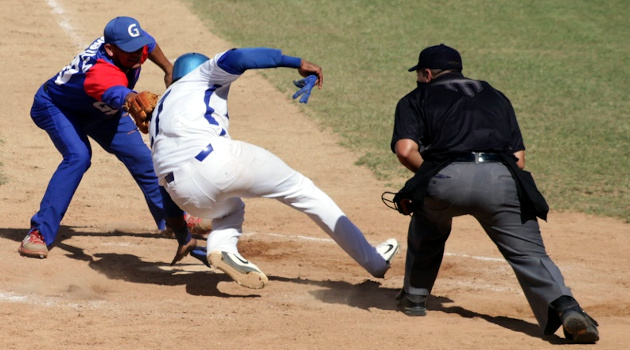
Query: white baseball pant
x,y
212,188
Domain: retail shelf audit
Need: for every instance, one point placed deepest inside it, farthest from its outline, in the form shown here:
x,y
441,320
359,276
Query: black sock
x,y
564,302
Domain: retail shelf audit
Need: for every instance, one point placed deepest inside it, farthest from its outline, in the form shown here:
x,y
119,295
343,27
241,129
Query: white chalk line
x,y
59,13
49,301
328,240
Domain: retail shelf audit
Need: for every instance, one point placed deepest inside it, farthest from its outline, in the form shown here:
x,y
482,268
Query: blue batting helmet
x,y
185,63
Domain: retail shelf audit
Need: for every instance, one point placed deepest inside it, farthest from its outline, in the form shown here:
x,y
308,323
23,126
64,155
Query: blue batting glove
x,y
305,85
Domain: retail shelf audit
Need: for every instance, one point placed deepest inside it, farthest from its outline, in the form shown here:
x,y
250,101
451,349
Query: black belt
x,y
478,157
200,157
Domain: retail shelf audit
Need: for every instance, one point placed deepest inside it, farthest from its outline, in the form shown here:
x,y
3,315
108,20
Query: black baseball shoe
x,y
578,326
411,304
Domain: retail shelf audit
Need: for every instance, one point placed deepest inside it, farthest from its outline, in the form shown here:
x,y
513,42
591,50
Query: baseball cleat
x,y
33,245
197,225
411,304
388,249
579,327
242,271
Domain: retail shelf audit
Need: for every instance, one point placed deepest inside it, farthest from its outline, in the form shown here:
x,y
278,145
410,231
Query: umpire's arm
x,y
408,154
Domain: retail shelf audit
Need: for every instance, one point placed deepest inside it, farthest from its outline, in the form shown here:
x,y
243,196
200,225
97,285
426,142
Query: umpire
x,y
461,139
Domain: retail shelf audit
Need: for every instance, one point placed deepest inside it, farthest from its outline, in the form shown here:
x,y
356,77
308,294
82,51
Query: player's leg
x,y
71,141
426,240
263,174
119,136
203,189
448,195
222,244
522,246
238,169
428,232
498,212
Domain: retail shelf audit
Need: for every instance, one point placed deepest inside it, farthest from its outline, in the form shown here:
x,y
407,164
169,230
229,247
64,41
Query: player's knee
x,y
78,160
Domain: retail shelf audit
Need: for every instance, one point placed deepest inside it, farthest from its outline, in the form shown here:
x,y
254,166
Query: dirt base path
x,y
107,283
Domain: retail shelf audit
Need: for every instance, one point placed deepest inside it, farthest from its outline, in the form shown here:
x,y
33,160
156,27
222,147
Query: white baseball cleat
x,y
242,271
388,249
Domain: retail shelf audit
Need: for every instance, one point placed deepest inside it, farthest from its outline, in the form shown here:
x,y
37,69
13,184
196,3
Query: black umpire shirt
x,y
453,115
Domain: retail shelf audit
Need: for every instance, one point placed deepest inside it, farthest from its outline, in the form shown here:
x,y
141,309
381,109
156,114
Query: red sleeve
x,y
102,76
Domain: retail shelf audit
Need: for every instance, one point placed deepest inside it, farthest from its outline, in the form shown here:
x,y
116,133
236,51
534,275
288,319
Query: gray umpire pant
x,y
488,192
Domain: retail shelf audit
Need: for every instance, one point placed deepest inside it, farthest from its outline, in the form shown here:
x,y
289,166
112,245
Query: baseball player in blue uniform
x,y
207,173
85,99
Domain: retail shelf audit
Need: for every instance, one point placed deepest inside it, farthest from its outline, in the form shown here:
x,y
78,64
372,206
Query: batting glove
x,y
305,85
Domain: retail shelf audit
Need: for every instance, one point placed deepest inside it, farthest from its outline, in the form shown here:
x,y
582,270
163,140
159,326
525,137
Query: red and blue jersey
x,y
92,85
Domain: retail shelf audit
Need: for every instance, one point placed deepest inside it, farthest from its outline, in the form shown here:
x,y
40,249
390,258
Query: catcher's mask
x,y
185,63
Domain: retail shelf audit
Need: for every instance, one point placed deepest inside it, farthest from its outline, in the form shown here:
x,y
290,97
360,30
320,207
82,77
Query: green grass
x,y
565,65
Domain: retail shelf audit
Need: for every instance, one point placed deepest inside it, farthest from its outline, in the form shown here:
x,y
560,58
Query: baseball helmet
x,y
185,63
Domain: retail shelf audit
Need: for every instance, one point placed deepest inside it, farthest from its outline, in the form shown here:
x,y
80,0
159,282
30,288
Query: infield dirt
x,y
107,283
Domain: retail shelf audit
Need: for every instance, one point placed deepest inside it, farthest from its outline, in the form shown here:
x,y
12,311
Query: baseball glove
x,y
140,106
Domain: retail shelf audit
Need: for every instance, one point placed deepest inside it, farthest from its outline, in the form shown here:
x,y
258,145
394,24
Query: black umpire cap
x,y
439,57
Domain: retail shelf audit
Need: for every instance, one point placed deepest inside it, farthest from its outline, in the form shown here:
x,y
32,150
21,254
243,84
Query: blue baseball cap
x,y
126,33
438,57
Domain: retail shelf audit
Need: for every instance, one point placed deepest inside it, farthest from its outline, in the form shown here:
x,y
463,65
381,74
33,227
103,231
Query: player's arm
x,y
157,56
237,61
107,83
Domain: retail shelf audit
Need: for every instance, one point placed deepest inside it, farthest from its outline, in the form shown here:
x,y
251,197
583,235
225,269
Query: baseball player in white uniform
x,y
207,173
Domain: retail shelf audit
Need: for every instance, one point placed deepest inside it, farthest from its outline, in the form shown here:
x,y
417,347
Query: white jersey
x,y
191,112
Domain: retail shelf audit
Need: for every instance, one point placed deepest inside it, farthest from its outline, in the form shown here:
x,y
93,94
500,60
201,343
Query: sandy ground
x,y
107,283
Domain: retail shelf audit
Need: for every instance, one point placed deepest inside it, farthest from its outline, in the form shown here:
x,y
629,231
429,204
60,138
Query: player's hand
x,y
305,85
168,79
307,68
183,250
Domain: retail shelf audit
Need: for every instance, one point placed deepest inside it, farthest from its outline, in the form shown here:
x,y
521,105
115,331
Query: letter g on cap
x,y
133,30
